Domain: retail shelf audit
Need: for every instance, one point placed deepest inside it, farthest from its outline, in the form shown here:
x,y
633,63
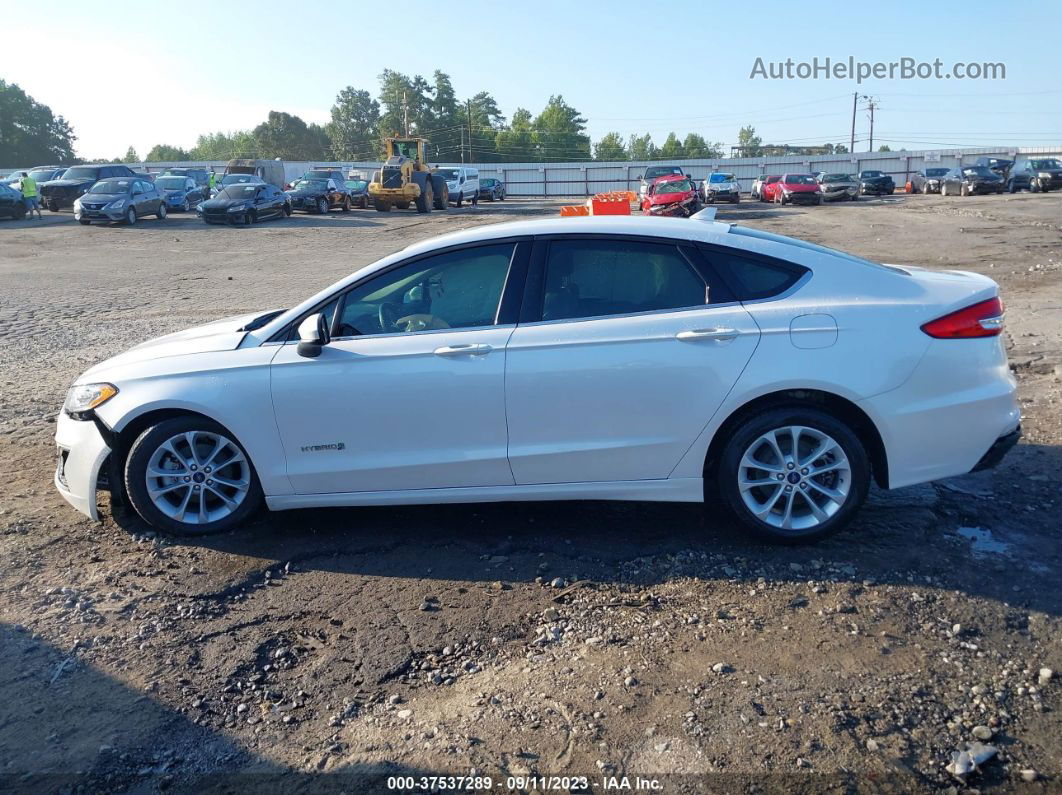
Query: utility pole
x,y
468,105
405,112
462,146
870,106
851,140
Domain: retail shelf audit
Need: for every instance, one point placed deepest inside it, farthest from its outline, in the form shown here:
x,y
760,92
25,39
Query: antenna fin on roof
x,y
707,214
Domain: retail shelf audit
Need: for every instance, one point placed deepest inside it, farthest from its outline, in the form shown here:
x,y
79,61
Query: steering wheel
x,y
388,316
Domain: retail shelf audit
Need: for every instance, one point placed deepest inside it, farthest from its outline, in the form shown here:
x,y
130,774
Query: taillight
x,y
984,319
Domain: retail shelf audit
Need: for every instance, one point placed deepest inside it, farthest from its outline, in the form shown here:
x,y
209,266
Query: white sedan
x,y
599,358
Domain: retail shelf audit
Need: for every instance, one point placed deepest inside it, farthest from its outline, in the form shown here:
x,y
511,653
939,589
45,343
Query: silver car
x,y
839,187
124,199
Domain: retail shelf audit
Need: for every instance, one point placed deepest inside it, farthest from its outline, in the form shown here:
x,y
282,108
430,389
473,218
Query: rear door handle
x,y
474,349
708,334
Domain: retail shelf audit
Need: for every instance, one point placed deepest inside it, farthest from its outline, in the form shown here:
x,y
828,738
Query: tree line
x,y
472,129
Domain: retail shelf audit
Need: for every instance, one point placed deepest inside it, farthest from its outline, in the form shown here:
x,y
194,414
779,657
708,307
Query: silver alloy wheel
x,y
198,477
162,211
794,478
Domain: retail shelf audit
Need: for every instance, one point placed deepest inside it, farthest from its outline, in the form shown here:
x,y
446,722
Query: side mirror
x,y
313,335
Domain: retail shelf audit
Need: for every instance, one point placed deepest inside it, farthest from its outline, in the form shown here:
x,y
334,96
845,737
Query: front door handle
x,y
708,334
474,349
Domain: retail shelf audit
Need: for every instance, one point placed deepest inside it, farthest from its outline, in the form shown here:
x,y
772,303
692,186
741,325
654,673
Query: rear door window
x,y
596,278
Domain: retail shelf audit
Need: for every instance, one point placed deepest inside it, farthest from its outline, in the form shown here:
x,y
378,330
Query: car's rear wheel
x,y
189,476
794,475
162,211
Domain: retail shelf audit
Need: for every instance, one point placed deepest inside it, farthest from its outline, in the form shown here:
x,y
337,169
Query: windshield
x,y
239,179
317,174
42,175
721,178
1048,163
172,183
673,186
836,178
799,179
311,184
239,192
357,184
936,172
111,186
871,174
661,171
449,174
81,173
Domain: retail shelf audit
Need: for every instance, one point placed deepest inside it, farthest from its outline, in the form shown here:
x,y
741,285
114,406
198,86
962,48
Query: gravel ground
x,y
332,649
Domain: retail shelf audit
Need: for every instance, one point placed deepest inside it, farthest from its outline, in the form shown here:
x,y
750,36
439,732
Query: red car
x,y
672,195
793,188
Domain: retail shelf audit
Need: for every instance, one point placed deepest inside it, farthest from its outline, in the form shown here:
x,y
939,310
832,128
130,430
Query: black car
x,y
968,180
318,195
333,174
876,183
492,189
359,192
999,166
1036,174
245,203
59,193
928,180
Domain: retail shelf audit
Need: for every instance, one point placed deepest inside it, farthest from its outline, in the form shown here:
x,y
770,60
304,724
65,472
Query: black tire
x,y
287,211
459,199
346,205
364,203
382,206
322,206
424,201
759,424
161,214
82,221
1034,186
135,471
130,216
402,205
53,207
249,218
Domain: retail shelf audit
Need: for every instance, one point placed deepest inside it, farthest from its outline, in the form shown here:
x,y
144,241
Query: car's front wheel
x,y
793,475
130,216
188,476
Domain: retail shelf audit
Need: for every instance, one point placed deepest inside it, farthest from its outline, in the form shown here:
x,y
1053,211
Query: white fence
x,y
588,178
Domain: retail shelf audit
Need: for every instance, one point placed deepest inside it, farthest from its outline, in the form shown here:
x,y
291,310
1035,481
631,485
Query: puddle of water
x,y
982,542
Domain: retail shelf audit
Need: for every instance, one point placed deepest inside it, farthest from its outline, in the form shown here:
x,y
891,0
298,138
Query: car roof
x,y
605,225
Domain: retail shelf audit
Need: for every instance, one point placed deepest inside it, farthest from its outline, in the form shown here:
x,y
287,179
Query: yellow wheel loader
x,y
407,179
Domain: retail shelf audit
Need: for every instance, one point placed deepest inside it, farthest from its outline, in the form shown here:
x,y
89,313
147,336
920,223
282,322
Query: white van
x,y
462,182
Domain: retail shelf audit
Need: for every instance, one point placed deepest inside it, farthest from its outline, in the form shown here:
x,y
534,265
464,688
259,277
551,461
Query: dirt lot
x,y
331,649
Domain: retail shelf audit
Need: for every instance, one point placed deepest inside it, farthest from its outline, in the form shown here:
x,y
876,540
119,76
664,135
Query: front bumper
x,y
176,202
100,215
723,196
82,453
838,195
877,190
802,197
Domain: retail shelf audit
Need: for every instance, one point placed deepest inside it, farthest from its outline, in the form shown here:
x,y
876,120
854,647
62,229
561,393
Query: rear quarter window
x,y
751,277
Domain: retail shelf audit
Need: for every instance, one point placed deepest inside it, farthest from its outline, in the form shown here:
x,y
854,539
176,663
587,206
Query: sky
x,y
135,73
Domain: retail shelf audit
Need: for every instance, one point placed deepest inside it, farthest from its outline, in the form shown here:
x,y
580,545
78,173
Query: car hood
x,y
222,203
838,185
669,198
63,183
722,185
876,179
103,198
221,335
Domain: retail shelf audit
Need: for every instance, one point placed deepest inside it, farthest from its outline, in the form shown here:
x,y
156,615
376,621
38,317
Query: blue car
x,y
181,193
359,192
12,205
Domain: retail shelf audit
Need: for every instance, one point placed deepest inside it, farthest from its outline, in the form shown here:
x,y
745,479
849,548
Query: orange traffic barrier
x,y
908,188
616,202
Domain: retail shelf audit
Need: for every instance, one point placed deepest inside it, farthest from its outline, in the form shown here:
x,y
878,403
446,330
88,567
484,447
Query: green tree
x,y
558,132
485,118
513,144
610,147
884,148
164,153
840,149
354,131
750,143
289,138
696,146
641,147
672,148
30,132
130,156
401,95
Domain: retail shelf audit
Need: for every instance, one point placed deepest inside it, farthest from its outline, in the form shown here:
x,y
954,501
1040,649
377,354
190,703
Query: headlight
x,y
1044,175
85,397
116,205
236,208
